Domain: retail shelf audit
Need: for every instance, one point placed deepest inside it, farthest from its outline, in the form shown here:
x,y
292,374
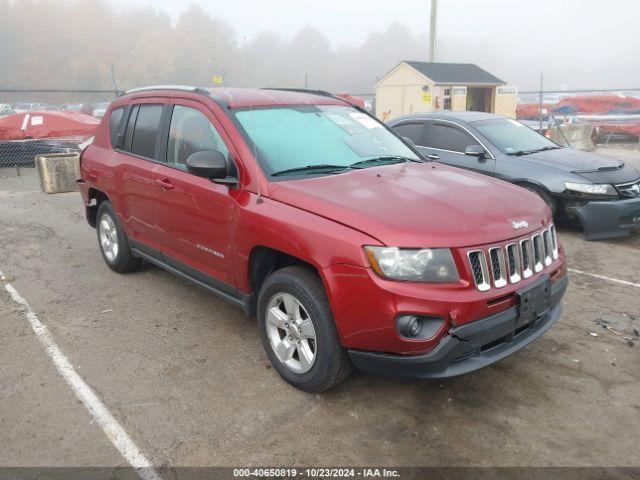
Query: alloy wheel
x,y
108,237
291,332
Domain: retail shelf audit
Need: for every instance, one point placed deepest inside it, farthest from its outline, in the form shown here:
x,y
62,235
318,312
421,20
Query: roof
x,y
254,97
463,116
458,73
245,97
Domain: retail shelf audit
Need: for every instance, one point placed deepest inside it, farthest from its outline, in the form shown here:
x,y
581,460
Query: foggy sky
x,y
580,44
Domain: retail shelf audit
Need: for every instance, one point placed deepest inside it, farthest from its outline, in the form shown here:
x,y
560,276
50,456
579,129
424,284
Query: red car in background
x,y
305,211
25,135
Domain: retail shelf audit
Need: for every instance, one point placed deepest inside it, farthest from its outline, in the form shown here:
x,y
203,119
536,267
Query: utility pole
x,y
540,103
432,30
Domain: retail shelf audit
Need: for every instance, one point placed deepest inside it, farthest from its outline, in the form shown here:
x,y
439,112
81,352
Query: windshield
x,y
512,137
332,137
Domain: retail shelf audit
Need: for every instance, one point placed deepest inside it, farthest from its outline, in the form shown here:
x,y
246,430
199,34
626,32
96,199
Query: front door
x,y
195,217
447,142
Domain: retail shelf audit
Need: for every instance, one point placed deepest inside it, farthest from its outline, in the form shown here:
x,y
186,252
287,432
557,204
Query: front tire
x,y
113,242
298,332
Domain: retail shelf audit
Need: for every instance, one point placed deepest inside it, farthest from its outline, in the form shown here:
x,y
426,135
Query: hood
x,y
595,168
570,160
418,204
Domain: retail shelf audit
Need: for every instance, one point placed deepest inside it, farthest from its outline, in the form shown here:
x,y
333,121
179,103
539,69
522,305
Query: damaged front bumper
x,y
609,219
468,347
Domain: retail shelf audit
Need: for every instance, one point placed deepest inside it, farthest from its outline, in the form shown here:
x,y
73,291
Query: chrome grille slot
x,y
503,264
479,269
546,243
498,268
526,256
554,242
538,253
513,260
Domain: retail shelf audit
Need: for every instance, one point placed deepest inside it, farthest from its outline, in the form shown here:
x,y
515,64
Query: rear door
x,y
134,164
195,217
448,141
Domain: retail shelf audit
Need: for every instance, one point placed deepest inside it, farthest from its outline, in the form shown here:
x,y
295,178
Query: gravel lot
x,y
185,374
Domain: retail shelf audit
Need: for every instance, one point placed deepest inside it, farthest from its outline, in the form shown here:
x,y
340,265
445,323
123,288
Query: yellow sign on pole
x,y
426,97
218,79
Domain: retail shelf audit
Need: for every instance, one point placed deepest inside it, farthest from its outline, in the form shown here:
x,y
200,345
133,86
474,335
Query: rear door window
x,y
413,131
145,133
448,137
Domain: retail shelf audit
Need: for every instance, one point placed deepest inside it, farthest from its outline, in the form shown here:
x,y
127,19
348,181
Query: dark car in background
x,y
600,193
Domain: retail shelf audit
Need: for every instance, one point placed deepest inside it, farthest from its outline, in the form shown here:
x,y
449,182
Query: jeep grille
x,y
500,265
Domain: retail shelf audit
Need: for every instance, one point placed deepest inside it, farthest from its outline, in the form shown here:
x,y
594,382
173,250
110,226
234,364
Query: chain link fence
x,y
36,122
613,114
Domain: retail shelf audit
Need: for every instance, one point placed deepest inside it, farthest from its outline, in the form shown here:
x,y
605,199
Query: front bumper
x,y
469,347
609,219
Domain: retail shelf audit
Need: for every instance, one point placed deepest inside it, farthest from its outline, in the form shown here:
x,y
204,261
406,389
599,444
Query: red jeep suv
x,y
349,247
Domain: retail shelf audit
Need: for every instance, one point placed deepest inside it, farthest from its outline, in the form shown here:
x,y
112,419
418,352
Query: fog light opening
x,y
418,327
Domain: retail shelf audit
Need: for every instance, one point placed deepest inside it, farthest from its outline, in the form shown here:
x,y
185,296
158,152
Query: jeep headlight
x,y
592,188
418,265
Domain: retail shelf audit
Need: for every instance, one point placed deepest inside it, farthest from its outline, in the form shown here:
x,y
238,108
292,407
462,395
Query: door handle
x,y
165,184
433,156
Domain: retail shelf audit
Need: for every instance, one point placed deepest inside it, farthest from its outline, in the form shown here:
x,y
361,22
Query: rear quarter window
x,y
115,125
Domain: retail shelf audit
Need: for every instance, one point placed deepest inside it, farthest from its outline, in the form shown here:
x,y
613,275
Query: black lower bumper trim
x,y
612,219
469,347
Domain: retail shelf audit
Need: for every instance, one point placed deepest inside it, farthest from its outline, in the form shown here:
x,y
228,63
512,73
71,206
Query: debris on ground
x,y
620,325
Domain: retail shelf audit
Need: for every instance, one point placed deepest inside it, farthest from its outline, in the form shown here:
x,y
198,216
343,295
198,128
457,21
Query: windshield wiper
x,y
383,159
529,152
522,152
549,147
322,168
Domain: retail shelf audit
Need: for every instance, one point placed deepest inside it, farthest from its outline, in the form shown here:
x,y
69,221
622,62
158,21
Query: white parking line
x,y
110,426
602,277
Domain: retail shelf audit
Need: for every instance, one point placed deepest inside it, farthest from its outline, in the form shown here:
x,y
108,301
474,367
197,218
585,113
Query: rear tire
x,y
113,242
298,332
544,195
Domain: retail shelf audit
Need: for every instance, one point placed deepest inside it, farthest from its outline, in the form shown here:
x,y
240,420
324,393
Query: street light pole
x,y
432,30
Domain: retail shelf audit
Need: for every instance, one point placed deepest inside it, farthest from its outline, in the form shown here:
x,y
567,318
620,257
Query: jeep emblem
x,y
519,225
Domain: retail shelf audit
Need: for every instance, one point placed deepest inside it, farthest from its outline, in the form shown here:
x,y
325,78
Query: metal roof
x,y
455,73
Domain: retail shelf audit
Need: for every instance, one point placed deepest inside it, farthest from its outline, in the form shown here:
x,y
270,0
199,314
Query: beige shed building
x,y
420,87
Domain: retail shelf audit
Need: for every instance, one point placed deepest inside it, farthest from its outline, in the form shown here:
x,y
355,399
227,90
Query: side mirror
x,y
208,164
409,141
475,151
